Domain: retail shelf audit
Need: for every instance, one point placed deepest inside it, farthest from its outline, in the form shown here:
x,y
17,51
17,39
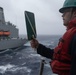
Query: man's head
x,y
68,11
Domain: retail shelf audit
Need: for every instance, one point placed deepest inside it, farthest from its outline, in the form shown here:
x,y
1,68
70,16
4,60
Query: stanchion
x,y
41,67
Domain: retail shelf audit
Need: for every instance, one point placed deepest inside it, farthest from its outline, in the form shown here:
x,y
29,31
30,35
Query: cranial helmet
x,y
68,4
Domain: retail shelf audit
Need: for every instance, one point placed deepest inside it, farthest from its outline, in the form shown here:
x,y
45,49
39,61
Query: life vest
x,y
61,63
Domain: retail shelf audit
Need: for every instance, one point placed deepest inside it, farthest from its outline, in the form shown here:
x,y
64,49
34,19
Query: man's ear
x,y
74,13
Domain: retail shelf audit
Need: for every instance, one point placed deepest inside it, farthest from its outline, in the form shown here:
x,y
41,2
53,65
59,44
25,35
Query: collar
x,y
71,24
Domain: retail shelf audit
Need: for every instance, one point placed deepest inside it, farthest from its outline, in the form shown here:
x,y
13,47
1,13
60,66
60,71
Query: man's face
x,y
66,17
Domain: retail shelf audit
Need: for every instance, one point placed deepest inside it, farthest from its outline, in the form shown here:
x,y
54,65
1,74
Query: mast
x,y
2,19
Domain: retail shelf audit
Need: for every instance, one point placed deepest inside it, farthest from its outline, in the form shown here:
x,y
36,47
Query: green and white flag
x,y
30,25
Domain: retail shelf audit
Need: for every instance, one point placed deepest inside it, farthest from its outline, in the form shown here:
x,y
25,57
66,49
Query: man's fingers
x,y
34,43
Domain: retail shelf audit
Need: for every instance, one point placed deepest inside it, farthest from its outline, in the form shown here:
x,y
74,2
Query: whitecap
x,y
3,68
24,63
22,69
34,55
13,68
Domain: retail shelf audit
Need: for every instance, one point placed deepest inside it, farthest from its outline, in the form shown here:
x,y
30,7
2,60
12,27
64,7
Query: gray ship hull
x,y
11,43
9,34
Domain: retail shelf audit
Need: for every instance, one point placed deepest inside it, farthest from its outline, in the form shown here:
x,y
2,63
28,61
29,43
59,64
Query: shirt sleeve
x,y
44,51
73,55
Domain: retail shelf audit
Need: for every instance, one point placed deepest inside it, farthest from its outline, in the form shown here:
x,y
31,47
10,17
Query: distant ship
x,y
9,34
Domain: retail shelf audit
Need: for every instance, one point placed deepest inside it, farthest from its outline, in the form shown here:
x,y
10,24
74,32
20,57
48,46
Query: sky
x,y
47,17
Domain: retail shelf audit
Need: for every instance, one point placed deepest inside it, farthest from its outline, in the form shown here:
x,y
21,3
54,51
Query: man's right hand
x,y
34,43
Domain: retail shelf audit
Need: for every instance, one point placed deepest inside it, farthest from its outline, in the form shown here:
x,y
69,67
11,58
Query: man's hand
x,y
34,43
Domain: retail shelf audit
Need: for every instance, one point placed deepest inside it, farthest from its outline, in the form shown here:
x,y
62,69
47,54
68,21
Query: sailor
x,y
64,55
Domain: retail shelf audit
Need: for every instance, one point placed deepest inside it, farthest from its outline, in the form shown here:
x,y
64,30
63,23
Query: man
x,y
64,55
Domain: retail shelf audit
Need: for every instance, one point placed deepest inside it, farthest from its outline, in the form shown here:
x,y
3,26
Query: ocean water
x,y
25,60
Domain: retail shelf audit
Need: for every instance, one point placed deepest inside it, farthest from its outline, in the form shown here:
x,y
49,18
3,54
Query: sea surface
x,y
25,60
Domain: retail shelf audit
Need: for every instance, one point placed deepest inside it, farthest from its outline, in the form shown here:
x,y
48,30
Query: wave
x,y
4,68
13,68
34,55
